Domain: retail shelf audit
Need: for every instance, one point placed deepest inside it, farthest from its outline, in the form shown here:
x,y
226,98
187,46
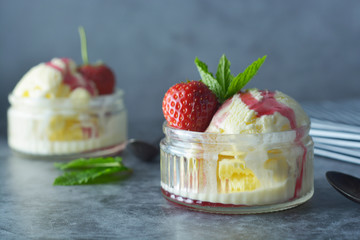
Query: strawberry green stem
x,y
83,44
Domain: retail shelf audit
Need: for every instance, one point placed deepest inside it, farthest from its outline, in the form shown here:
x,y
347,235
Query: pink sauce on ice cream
x,y
268,105
218,120
71,80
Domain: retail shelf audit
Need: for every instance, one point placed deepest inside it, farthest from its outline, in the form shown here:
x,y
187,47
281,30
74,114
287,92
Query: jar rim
x,y
205,137
65,102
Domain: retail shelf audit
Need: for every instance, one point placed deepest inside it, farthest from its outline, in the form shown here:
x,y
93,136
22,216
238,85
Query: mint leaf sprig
x,y
91,171
225,85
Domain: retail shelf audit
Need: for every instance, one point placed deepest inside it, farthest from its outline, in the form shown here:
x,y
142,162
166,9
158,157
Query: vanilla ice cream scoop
x,y
258,111
41,81
54,79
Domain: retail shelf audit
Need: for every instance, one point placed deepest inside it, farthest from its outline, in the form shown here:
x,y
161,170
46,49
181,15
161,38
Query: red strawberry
x,y
100,74
189,106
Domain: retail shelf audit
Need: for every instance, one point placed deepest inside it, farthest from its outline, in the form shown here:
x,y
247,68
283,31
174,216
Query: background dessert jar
x,y
61,109
67,127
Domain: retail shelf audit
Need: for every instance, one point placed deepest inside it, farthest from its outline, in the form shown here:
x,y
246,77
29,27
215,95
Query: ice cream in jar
x,y
233,150
59,108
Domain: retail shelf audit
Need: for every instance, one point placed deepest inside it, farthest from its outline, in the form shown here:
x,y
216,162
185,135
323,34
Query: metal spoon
x,y
143,150
347,185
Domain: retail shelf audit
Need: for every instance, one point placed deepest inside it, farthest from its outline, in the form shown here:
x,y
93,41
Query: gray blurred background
x,y
313,47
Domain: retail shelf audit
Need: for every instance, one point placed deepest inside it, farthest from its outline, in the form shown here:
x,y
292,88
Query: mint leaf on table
x,y
88,176
91,171
208,79
90,162
225,85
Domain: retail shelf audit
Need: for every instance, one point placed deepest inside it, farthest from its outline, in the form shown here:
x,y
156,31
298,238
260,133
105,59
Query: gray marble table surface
x,y
32,208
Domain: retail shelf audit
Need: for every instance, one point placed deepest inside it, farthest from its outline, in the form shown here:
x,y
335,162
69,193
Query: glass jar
x,y
237,173
66,128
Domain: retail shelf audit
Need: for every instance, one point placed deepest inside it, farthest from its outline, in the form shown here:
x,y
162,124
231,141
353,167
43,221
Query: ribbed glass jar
x,y
237,173
63,128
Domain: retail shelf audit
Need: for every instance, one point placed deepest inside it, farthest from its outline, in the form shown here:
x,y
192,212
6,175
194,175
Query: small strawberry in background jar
x,y
100,74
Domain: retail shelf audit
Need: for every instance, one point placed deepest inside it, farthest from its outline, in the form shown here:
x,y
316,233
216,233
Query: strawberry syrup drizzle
x,y
68,78
219,119
71,80
189,201
268,105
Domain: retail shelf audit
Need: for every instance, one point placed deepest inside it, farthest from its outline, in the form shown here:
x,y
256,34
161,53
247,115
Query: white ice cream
x,y
235,117
55,111
268,158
